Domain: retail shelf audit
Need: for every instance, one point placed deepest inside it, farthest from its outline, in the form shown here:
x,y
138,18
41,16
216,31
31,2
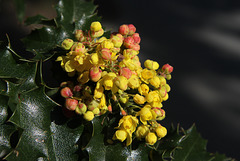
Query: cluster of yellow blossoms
x,y
109,74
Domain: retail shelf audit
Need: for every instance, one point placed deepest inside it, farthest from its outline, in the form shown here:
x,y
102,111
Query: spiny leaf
x,y
193,147
42,41
42,138
39,19
99,149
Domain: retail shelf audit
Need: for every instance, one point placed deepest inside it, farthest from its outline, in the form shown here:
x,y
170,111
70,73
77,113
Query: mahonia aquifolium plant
x,y
108,72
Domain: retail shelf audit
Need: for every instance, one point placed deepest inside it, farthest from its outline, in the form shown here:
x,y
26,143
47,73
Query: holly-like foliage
x,y
32,123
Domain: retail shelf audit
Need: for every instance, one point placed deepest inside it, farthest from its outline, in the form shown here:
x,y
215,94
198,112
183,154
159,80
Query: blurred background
x,y
200,39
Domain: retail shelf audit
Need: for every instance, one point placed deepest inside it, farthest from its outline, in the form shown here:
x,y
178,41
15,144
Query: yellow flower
x,y
145,114
152,65
142,131
69,67
163,80
94,59
107,44
134,82
129,123
161,131
122,135
143,89
121,82
151,138
98,92
89,115
147,74
102,104
108,80
96,26
154,99
84,77
155,81
139,99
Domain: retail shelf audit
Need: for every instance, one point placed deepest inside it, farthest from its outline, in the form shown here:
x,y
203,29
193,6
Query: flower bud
x,y
155,81
128,42
121,82
151,138
71,104
106,54
136,38
142,131
152,65
89,116
168,76
95,73
139,99
81,108
66,92
167,68
124,113
123,29
79,48
95,26
79,35
126,72
143,89
161,131
94,58
110,108
99,33
92,105
135,47
96,111
120,135
117,41
67,44
132,29
77,88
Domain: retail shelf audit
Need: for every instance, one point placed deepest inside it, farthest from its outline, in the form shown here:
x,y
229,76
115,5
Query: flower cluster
x,y
109,74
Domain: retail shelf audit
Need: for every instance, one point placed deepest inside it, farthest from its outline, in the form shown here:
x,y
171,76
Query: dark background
x,y
200,39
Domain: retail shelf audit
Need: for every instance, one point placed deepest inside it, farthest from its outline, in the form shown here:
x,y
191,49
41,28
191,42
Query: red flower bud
x,y
106,54
167,68
132,29
128,42
66,92
71,104
95,73
124,113
126,72
124,30
136,38
77,88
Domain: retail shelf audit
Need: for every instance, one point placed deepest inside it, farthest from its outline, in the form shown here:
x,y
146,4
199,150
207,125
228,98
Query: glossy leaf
x,y
39,19
42,41
193,147
99,149
42,138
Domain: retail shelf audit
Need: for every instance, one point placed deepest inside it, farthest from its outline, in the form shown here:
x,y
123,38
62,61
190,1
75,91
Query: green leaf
x,y
39,19
78,12
42,138
166,146
193,147
42,41
222,157
99,149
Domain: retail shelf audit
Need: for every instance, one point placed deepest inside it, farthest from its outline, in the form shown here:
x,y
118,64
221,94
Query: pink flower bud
x,y
135,47
124,30
80,48
106,54
66,92
95,73
128,42
167,68
132,29
126,72
71,104
136,38
77,88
